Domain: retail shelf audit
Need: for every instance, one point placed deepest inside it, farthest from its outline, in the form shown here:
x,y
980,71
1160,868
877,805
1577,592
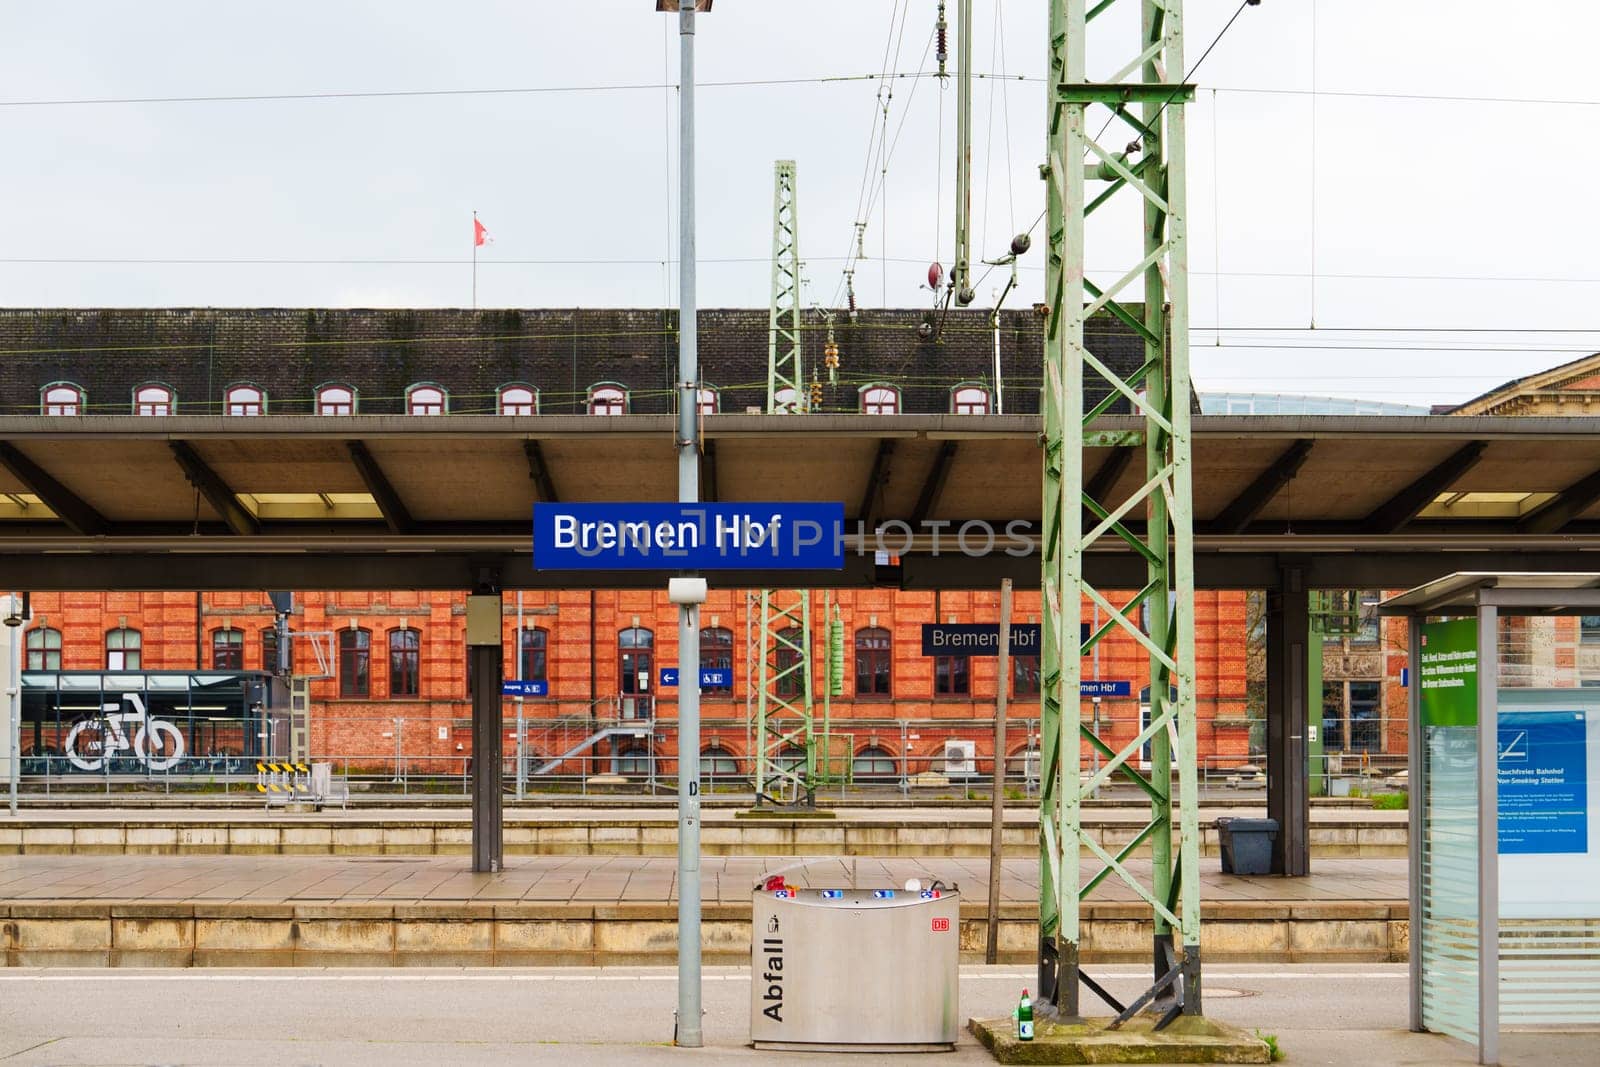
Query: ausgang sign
x,y
787,536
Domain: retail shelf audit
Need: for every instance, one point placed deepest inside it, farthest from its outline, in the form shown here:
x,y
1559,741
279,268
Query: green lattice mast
x,y
784,724
1151,168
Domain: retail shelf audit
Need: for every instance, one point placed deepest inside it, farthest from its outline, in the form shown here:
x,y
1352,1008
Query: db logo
x,y
941,926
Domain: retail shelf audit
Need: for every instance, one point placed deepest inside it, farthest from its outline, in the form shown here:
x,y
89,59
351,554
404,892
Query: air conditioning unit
x,y
960,757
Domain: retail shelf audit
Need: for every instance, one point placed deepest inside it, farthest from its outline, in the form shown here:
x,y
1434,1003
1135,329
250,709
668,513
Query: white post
x,y
11,745
688,1030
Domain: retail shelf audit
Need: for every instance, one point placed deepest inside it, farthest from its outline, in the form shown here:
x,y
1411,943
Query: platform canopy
x,y
215,502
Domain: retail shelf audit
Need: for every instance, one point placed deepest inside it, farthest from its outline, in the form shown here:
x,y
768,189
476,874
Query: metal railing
x,y
589,749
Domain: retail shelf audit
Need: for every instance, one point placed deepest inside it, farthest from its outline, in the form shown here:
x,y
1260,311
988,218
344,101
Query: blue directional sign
x,y
527,688
785,536
1119,687
709,676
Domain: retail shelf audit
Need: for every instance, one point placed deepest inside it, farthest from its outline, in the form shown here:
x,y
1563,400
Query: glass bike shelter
x,y
223,720
1504,694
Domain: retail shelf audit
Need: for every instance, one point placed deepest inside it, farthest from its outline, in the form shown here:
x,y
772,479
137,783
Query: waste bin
x,y
854,969
1246,845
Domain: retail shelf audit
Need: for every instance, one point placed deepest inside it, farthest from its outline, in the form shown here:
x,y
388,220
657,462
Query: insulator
x,y
935,275
816,393
1020,244
830,355
924,330
942,50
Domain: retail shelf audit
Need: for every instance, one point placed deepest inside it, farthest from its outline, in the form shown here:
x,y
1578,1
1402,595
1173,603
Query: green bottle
x,y
1025,1018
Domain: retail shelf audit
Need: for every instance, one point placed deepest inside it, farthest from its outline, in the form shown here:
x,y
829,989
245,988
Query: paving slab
x,y
612,879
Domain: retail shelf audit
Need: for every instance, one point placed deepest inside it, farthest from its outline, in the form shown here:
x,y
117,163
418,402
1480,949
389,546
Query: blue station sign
x,y
511,687
701,537
709,676
1106,687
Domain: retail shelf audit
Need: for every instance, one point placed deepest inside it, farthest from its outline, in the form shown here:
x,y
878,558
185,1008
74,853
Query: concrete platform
x,y
631,831
1187,1040
405,911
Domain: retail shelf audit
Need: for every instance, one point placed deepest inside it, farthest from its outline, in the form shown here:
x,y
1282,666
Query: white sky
x,y
1427,214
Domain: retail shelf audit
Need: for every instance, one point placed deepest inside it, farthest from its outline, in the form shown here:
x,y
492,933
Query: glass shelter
x,y
147,722
1503,778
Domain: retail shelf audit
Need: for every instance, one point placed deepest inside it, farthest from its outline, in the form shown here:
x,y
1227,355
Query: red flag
x,y
479,234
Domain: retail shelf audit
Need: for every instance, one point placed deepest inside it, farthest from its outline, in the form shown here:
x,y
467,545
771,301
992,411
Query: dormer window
x,y
245,400
152,400
608,400
969,400
425,400
62,398
336,400
880,400
519,400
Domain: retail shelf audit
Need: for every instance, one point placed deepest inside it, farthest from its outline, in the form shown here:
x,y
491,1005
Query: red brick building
x,y
395,656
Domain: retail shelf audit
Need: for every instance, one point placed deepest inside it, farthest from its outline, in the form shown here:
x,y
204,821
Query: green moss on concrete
x,y
1190,1039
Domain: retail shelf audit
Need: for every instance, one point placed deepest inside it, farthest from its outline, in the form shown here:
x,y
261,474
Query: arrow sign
x,y
709,677
527,688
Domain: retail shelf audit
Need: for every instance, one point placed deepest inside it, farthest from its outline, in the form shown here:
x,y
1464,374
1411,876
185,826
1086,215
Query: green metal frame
x,y
785,360
1151,169
784,703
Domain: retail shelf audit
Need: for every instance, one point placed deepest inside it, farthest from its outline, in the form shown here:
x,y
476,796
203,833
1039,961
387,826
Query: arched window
x,y
44,649
246,400
405,662
880,400
718,762
227,650
355,663
633,759
788,658
518,400
122,650
426,400
608,400
706,399
872,661
61,398
1025,676
336,400
874,761
535,642
952,676
784,401
152,400
635,663
969,400
716,653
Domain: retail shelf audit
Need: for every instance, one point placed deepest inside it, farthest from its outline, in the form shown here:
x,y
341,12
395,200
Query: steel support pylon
x,y
1149,166
785,755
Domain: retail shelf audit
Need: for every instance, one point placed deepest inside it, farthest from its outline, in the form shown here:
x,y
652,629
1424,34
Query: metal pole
x,y
997,803
960,281
688,1030
1488,833
14,719
522,773
1415,828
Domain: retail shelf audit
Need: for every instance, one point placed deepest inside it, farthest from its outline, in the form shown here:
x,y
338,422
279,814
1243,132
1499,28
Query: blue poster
x,y
1543,779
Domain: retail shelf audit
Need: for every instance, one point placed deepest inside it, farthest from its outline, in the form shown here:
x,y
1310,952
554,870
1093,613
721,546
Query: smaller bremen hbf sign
x,y
977,639
983,638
